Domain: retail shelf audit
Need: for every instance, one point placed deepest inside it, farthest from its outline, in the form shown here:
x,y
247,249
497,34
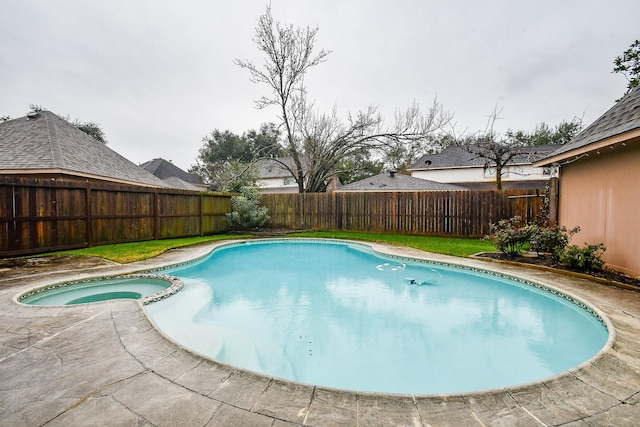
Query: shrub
x,y
587,258
246,210
550,240
509,236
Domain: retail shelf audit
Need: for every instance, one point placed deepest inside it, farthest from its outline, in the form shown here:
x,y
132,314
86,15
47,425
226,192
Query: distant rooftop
x,y
391,181
274,168
455,156
172,175
165,169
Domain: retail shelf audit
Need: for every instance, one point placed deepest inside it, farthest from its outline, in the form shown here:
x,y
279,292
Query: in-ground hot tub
x,y
144,287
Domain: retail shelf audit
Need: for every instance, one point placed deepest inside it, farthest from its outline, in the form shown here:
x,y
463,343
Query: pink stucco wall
x,y
601,194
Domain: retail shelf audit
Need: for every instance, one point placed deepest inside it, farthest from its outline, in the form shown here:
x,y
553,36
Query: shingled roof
x,y
274,168
43,143
172,175
623,118
390,181
456,156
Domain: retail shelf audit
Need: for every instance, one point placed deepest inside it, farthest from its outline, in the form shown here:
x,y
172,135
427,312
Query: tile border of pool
x,y
604,390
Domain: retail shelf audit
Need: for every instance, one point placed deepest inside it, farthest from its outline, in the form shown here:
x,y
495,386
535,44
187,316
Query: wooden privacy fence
x,y
39,215
437,213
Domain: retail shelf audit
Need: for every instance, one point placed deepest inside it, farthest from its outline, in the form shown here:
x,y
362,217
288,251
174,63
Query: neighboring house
x,y
396,182
273,177
599,171
46,146
456,165
173,176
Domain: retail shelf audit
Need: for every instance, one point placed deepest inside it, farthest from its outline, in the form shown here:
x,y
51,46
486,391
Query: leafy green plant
x,y
550,240
586,258
246,212
509,236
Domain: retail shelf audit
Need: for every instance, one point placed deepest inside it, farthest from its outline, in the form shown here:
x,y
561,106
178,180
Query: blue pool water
x,y
338,315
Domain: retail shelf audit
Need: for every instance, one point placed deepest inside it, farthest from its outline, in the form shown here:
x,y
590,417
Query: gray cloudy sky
x,y
158,75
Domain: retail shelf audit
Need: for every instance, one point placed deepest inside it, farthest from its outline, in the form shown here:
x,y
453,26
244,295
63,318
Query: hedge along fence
x,y
40,215
437,213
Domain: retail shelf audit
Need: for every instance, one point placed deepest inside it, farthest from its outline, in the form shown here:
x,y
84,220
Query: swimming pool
x,y
340,315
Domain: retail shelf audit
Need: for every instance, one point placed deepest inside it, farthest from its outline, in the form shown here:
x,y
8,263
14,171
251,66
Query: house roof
x,y
455,156
44,143
620,120
273,168
397,182
165,169
175,182
172,175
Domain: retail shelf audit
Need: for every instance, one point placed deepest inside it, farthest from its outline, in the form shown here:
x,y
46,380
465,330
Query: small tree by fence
x,y
437,213
39,215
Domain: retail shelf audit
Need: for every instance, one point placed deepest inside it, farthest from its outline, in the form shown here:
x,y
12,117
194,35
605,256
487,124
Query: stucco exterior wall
x,y
600,194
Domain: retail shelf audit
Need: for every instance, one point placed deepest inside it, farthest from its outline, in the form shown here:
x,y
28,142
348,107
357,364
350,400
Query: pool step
x,y
239,347
179,324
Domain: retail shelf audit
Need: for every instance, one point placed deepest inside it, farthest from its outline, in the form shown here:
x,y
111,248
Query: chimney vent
x,y
392,173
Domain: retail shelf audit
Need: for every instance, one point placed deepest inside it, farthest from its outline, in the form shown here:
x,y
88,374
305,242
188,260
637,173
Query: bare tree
x,y
317,142
498,152
289,54
328,140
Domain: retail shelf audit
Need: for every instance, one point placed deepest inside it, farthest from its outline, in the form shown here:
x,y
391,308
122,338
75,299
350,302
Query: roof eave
x,y
75,174
586,149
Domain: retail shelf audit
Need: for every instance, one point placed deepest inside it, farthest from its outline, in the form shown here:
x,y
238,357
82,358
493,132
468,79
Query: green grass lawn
x,y
137,251
441,245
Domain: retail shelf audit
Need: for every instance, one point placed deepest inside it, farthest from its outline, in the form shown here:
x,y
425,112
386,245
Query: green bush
x,y
246,210
587,258
550,240
509,236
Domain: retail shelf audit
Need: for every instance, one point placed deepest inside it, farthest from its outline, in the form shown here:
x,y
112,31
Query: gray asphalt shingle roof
x,y
623,117
456,156
273,168
45,142
398,182
175,182
164,169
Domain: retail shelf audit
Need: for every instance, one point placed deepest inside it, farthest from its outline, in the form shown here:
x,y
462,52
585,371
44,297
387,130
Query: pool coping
x,y
602,390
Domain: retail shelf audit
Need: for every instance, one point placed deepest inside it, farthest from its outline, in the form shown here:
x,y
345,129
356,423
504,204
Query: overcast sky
x,y
158,75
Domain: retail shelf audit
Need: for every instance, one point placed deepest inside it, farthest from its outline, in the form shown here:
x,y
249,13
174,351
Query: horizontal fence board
x,y
436,213
40,215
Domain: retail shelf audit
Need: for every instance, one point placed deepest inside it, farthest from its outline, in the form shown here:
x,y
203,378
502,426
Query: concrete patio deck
x,y
106,364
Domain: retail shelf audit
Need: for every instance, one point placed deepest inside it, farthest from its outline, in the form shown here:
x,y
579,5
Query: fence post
x,y
89,221
156,215
201,196
12,223
554,200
